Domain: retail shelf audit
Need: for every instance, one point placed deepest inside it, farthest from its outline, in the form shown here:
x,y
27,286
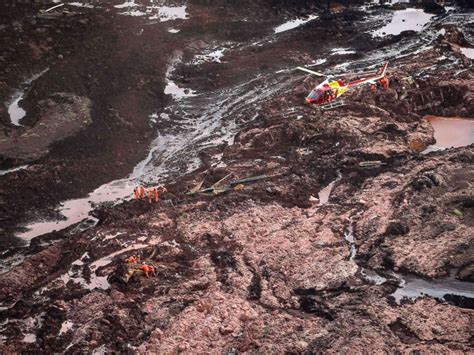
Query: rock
x,y
466,273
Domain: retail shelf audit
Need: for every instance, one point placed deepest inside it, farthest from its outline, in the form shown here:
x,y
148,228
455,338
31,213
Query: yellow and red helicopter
x,y
327,91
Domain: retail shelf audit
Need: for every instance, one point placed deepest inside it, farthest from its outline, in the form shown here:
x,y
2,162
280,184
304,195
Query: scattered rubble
x,y
331,219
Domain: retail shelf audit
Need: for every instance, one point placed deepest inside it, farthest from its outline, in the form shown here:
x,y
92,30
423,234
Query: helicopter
x,y
327,91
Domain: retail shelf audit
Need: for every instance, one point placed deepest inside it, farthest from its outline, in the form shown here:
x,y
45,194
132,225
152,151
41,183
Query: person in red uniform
x,y
148,269
155,194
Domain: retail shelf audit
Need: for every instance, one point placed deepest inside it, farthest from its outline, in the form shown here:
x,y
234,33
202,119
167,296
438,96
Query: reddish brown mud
x,y
277,265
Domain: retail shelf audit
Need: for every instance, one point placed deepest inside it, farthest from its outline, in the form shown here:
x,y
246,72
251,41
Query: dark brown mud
x,y
271,266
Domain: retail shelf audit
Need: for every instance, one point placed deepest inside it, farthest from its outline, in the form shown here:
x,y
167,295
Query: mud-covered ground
x,y
310,259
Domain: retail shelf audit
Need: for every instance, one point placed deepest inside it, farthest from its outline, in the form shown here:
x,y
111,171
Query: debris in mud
x,y
238,184
337,212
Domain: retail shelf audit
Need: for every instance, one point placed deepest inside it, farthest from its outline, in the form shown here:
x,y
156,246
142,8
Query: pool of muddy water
x,y
450,132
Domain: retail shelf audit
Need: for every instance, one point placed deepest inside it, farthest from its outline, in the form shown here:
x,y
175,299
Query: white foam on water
x,y
342,51
8,171
172,88
168,13
214,56
135,13
178,93
468,52
126,4
81,4
404,20
290,25
173,30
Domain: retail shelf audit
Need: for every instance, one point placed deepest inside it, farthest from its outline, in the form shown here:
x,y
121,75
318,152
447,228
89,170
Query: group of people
x,y
383,83
141,193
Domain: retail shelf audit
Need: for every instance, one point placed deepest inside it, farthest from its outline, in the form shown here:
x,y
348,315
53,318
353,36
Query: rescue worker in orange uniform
x,y
132,259
142,192
384,83
155,193
136,193
150,195
148,269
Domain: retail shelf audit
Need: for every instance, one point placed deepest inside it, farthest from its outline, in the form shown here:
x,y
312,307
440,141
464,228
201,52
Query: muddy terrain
x,y
354,232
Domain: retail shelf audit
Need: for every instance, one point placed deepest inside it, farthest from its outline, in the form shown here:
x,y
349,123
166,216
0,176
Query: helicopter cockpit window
x,y
313,95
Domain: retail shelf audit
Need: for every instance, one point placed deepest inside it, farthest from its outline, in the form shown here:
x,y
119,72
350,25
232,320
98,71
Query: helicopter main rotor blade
x,y
311,72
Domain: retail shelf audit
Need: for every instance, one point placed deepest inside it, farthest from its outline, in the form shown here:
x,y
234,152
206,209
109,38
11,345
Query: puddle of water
x,y
325,193
14,110
294,24
413,287
404,20
77,210
7,171
468,52
450,132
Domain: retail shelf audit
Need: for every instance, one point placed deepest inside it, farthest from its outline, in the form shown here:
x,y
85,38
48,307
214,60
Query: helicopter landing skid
x,y
332,105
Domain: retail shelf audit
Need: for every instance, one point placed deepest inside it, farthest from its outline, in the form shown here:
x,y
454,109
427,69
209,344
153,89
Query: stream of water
x,y
204,122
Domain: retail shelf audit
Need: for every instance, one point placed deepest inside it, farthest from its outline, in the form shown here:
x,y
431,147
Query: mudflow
x,y
358,239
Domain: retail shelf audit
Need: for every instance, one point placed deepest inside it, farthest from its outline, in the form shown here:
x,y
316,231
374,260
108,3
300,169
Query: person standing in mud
x,y
142,192
150,195
136,193
155,194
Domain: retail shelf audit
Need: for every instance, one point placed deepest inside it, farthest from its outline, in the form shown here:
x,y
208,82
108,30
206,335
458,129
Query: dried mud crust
x,y
265,269
421,218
